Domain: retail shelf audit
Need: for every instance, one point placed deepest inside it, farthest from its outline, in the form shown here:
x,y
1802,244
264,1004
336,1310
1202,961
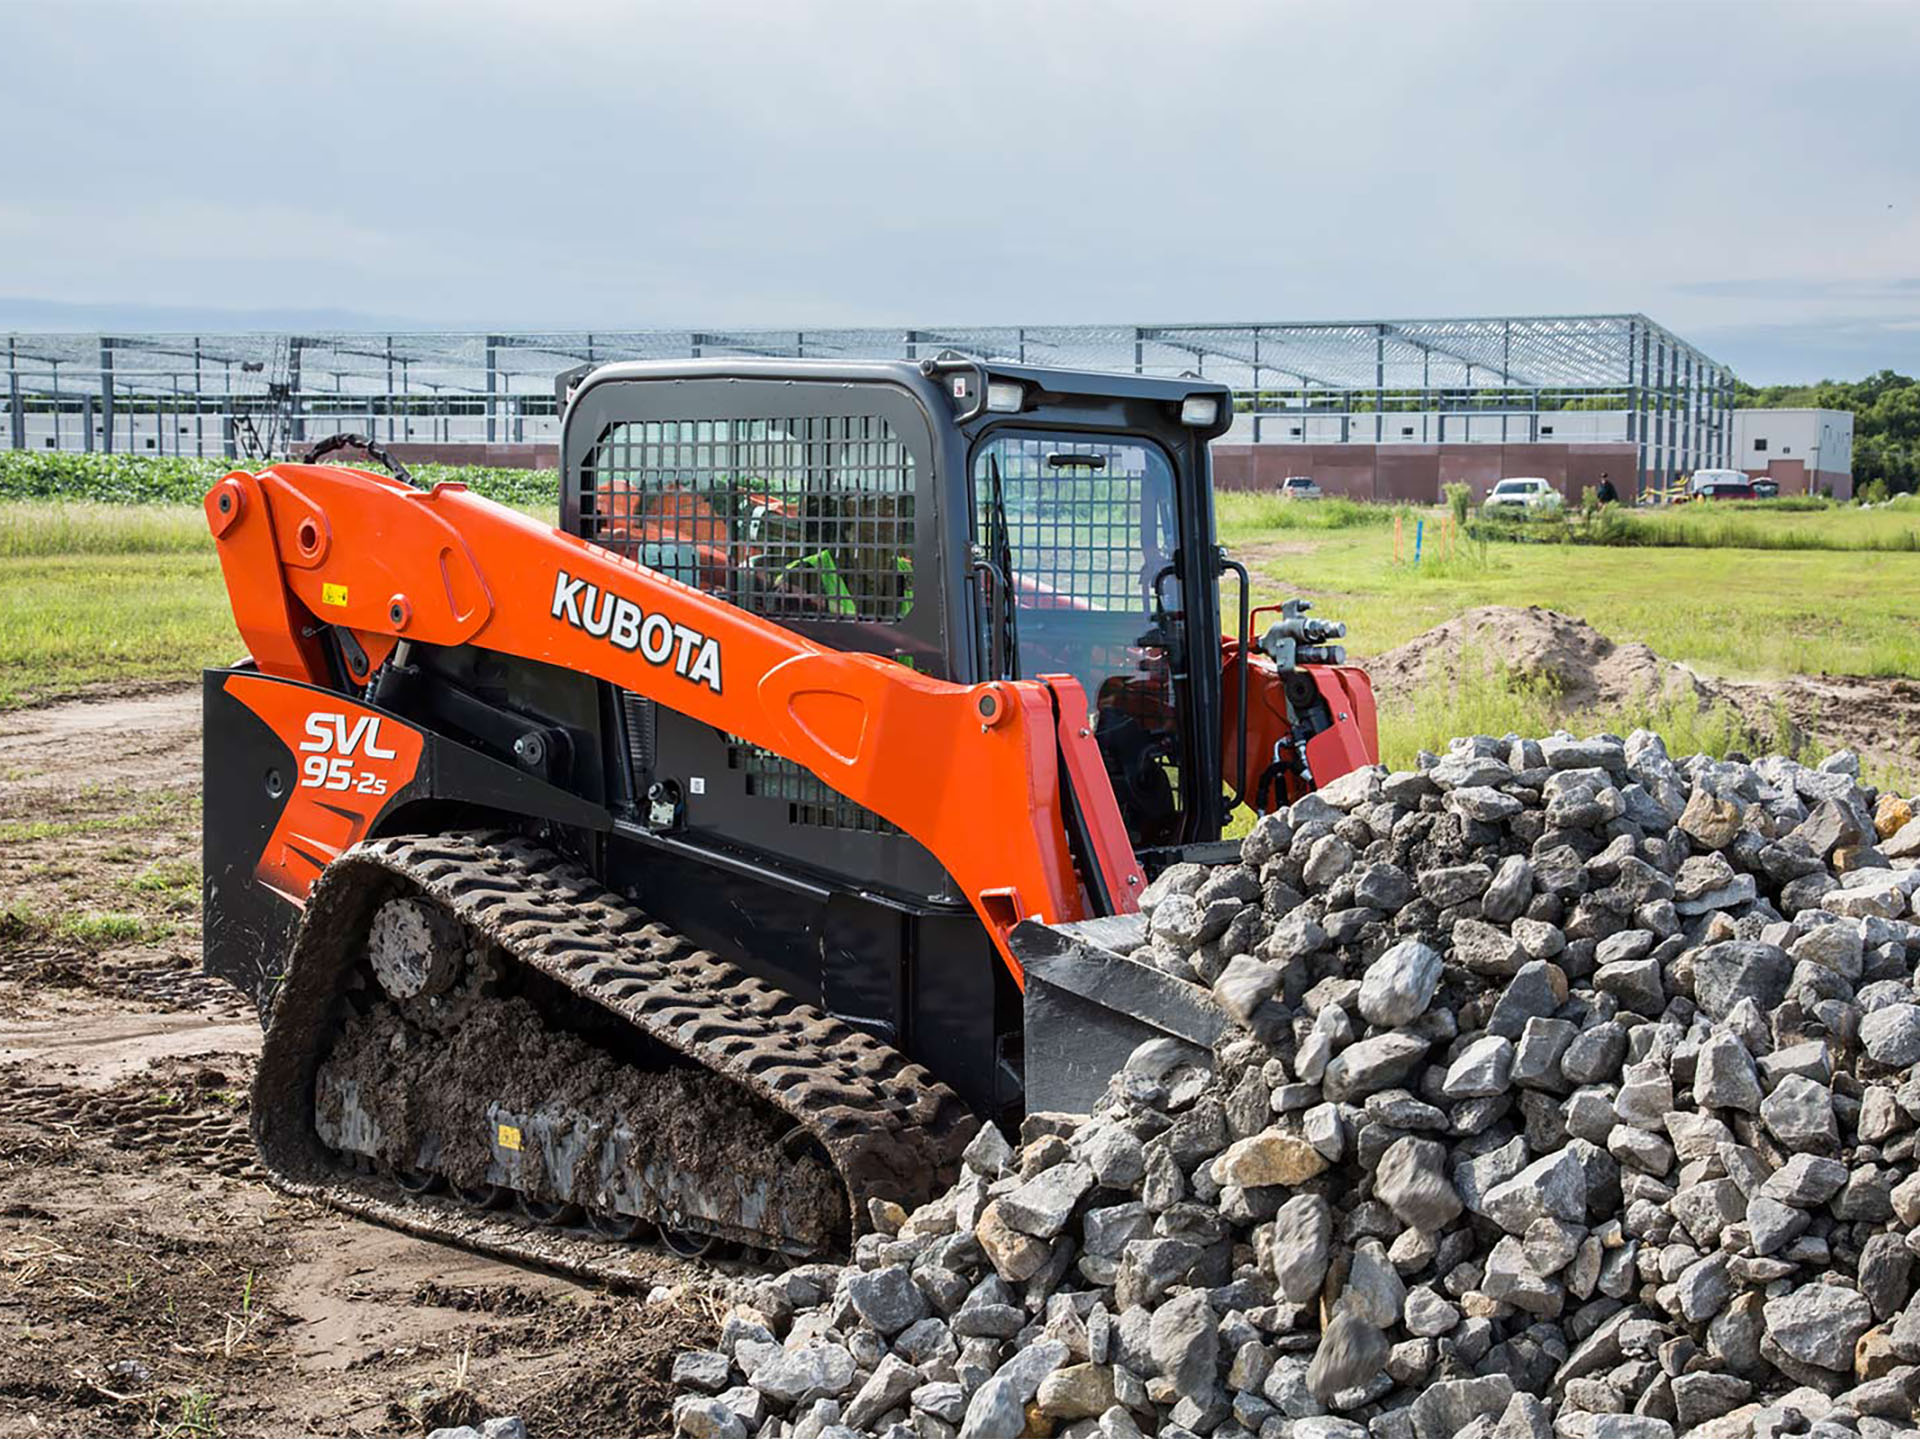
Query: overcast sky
x,y
1747,175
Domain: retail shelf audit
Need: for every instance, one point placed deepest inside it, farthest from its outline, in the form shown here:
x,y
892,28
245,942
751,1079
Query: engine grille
x,y
810,801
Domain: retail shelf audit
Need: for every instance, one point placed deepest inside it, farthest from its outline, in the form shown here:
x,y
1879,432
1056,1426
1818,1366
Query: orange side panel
x,y
1352,741
1267,724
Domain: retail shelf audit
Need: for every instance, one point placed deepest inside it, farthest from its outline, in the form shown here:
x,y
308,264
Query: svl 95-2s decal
x,y
351,762
329,749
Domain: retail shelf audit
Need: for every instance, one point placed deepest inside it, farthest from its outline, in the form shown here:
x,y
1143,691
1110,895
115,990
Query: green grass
x,y
92,592
1247,511
1748,614
173,885
158,808
92,527
111,928
93,929
196,1418
95,591
1485,699
169,877
72,620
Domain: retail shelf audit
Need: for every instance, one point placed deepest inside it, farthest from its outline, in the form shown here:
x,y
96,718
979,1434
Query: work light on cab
x,y
1199,410
1006,397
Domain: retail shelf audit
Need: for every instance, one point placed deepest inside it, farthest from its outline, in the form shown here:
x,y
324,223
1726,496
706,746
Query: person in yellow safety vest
x,y
840,599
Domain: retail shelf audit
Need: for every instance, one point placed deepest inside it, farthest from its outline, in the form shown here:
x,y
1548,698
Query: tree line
x,y
1886,422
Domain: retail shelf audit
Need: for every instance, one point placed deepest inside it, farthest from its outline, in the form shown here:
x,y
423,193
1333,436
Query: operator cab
x,y
970,519
1095,502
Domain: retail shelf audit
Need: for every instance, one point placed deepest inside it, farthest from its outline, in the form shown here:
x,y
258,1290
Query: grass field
x,y
74,620
1750,614
93,592
97,592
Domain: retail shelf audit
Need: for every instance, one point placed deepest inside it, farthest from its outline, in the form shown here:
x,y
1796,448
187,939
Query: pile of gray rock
x,y
1571,1090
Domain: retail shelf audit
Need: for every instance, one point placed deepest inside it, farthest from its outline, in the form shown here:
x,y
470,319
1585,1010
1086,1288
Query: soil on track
x,y
150,1281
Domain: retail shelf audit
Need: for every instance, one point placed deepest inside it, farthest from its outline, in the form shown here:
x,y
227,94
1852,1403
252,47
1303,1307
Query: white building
x,y
1805,451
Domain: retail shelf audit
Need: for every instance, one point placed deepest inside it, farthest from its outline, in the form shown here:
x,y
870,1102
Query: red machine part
x,y
1353,740
1350,739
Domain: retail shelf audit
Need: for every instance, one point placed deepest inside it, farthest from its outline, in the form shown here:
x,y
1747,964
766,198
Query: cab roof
x,y
1053,385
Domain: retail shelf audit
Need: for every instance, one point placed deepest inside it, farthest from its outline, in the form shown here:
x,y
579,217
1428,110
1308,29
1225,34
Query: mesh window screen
x,y
1091,530
1081,520
804,518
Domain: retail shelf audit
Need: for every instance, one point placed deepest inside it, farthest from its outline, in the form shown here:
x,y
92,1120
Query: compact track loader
x,y
707,865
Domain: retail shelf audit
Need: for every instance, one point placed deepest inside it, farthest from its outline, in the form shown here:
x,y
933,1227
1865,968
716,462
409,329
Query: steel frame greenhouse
x,y
1359,381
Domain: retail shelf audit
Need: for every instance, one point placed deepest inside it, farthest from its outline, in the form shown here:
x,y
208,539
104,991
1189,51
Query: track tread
x,y
890,1129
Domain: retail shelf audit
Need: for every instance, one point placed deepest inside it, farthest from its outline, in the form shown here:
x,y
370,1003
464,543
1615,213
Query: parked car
x,y
1720,485
1300,487
1522,492
1717,489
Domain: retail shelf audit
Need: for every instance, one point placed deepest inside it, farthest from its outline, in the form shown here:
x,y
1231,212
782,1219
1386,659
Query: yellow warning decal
x,y
333,594
509,1136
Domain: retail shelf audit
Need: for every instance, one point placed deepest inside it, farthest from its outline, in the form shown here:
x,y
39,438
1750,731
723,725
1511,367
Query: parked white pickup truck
x,y
1522,492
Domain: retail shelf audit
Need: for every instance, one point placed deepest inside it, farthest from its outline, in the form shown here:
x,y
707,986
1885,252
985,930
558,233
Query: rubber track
x,y
891,1130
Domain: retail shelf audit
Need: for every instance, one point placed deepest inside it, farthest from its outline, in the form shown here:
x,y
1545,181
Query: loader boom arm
x,y
986,776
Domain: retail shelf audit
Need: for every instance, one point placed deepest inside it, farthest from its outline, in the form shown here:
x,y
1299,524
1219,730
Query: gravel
x,y
1568,1088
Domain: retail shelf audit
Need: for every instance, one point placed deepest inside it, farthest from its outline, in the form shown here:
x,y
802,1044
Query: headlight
x,y
1006,396
1199,410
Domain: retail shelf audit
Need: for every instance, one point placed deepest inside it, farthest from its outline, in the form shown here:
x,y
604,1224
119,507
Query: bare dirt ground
x,y
151,1282
1879,718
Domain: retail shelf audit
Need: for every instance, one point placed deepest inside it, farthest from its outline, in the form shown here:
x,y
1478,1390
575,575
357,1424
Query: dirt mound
x,y
1588,669
1877,717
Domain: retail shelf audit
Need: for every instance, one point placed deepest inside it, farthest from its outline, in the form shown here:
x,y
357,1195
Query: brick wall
x,y
1418,474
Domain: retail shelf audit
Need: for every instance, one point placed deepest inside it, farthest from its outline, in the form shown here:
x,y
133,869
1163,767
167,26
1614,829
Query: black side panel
x,y
864,964
739,796
965,1013
928,982
248,775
